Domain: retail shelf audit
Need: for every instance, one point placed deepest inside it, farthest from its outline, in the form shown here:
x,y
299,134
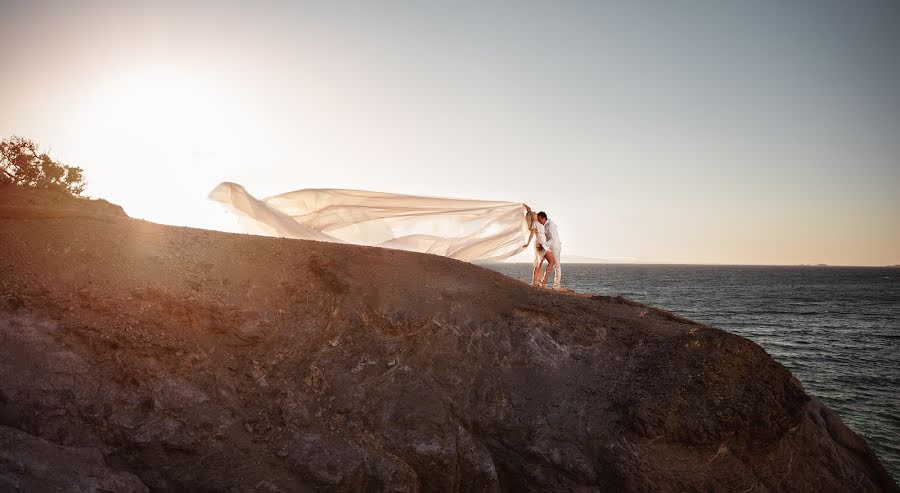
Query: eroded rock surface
x,y
205,361
28,463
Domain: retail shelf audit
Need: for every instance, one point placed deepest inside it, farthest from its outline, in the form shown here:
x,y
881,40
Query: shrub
x,y
22,164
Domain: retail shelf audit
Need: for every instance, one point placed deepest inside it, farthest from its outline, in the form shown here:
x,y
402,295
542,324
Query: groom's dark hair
x,y
542,215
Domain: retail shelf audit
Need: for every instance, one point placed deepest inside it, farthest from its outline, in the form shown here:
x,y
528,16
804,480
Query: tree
x,y
22,164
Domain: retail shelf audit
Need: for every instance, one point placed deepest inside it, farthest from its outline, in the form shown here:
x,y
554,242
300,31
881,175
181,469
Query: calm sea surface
x,y
837,329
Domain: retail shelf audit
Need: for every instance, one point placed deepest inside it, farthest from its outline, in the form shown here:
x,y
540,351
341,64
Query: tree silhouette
x,y
22,164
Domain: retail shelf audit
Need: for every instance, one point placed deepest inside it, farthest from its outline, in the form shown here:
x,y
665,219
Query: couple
x,y
546,247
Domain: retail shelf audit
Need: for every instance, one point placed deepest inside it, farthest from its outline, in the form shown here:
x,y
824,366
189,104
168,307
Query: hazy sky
x,y
675,131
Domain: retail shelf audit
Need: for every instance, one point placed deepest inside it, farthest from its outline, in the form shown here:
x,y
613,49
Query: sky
x,y
763,132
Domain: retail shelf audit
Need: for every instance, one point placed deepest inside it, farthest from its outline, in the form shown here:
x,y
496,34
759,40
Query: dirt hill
x,y
139,356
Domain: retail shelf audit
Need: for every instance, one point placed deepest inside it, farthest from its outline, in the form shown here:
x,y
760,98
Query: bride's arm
x,y
529,225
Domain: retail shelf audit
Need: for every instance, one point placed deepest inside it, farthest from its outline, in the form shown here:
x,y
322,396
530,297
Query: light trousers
x,y
556,248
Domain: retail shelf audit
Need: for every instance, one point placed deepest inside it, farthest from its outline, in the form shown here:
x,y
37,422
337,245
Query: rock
x,y
344,368
328,462
28,463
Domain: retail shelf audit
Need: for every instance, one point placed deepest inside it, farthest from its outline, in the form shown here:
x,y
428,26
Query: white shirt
x,y
551,232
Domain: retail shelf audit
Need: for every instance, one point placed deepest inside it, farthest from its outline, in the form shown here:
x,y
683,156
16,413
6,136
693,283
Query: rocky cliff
x,y
137,356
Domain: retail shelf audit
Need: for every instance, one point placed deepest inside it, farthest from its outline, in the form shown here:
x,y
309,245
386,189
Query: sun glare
x,y
153,135
147,106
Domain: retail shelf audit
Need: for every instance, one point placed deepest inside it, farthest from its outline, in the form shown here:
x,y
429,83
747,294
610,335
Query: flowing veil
x,y
469,230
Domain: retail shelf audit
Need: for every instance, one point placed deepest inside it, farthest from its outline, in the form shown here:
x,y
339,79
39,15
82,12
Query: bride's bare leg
x,y
536,275
551,261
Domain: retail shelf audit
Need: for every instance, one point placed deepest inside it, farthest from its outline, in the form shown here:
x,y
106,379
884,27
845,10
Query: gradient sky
x,y
763,132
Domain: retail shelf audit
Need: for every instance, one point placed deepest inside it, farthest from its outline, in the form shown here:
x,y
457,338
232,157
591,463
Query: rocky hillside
x,y
136,356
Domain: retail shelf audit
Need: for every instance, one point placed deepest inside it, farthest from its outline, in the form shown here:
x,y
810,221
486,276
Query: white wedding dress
x,y
469,230
540,242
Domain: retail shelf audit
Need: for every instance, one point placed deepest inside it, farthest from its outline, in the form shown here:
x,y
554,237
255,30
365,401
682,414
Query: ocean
x,y
837,329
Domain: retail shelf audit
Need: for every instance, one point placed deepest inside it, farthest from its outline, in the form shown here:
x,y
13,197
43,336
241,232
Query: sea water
x,y
837,329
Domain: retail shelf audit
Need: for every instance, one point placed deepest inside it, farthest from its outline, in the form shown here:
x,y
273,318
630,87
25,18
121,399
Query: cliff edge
x,y
137,356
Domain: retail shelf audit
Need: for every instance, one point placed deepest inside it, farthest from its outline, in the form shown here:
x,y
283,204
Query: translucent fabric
x,y
469,230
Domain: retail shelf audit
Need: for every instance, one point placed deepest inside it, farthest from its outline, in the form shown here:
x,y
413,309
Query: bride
x,y
541,248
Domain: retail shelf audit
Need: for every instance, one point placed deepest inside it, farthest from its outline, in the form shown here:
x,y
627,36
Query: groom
x,y
555,246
